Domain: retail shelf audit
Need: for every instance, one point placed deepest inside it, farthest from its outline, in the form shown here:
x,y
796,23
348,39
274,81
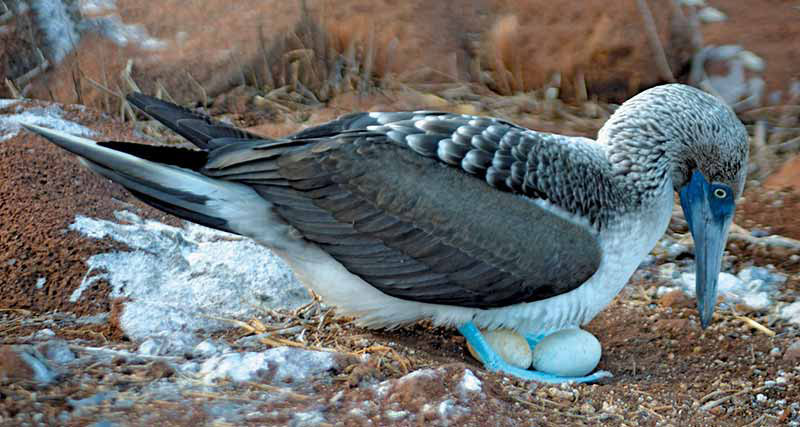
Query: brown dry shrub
x,y
18,42
604,44
95,62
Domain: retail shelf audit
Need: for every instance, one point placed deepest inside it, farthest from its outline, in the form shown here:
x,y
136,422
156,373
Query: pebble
x,y
791,313
568,352
396,415
469,385
208,348
792,352
675,298
676,249
57,351
44,334
669,271
152,347
756,302
750,274
761,398
709,14
92,400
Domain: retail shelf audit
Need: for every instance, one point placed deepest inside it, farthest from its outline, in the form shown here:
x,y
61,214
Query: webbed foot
x,y
493,362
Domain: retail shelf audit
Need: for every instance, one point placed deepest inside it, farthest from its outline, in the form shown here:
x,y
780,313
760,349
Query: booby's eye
x,y
720,193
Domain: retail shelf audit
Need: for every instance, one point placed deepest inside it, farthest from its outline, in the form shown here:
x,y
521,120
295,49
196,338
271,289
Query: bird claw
x,y
493,362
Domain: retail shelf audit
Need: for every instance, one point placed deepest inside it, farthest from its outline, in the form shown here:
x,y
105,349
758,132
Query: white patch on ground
x,y
285,365
420,373
50,117
755,287
5,103
54,20
469,385
40,282
791,313
178,278
94,7
308,419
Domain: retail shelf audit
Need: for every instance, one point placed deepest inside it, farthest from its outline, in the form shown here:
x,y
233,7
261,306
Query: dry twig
x,y
655,41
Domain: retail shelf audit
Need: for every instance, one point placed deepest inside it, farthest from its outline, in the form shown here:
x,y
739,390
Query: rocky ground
x,y
115,314
112,313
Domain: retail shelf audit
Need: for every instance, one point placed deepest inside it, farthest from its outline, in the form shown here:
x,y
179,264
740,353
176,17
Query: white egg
x,y
511,346
567,353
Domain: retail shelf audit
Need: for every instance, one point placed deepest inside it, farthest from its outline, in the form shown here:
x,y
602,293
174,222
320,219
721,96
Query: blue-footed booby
x,y
468,221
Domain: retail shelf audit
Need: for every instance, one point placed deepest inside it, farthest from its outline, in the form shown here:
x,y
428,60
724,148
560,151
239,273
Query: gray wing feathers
x,y
570,172
362,197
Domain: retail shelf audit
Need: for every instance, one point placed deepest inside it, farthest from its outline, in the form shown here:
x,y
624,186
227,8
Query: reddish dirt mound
x,y
42,189
508,46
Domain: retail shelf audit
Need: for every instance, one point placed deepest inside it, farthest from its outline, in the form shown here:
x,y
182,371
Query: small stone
x,y
752,62
792,352
44,334
557,393
396,415
160,369
791,313
717,410
669,271
208,348
676,249
609,408
725,52
709,14
470,384
757,232
92,400
57,351
675,299
761,398
152,347
587,409
260,102
776,351
754,302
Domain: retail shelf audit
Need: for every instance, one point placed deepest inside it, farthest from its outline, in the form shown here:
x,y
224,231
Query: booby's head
x,y
704,149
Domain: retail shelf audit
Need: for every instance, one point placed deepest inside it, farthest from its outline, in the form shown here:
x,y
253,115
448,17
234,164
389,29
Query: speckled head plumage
x,y
681,128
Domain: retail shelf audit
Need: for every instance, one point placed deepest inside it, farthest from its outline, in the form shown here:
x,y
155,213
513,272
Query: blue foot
x,y
533,340
493,362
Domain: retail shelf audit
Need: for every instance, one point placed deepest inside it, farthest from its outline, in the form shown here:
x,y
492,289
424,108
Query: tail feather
x,y
173,188
198,128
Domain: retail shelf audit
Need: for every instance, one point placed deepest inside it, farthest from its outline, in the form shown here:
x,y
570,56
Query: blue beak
x,y
708,209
